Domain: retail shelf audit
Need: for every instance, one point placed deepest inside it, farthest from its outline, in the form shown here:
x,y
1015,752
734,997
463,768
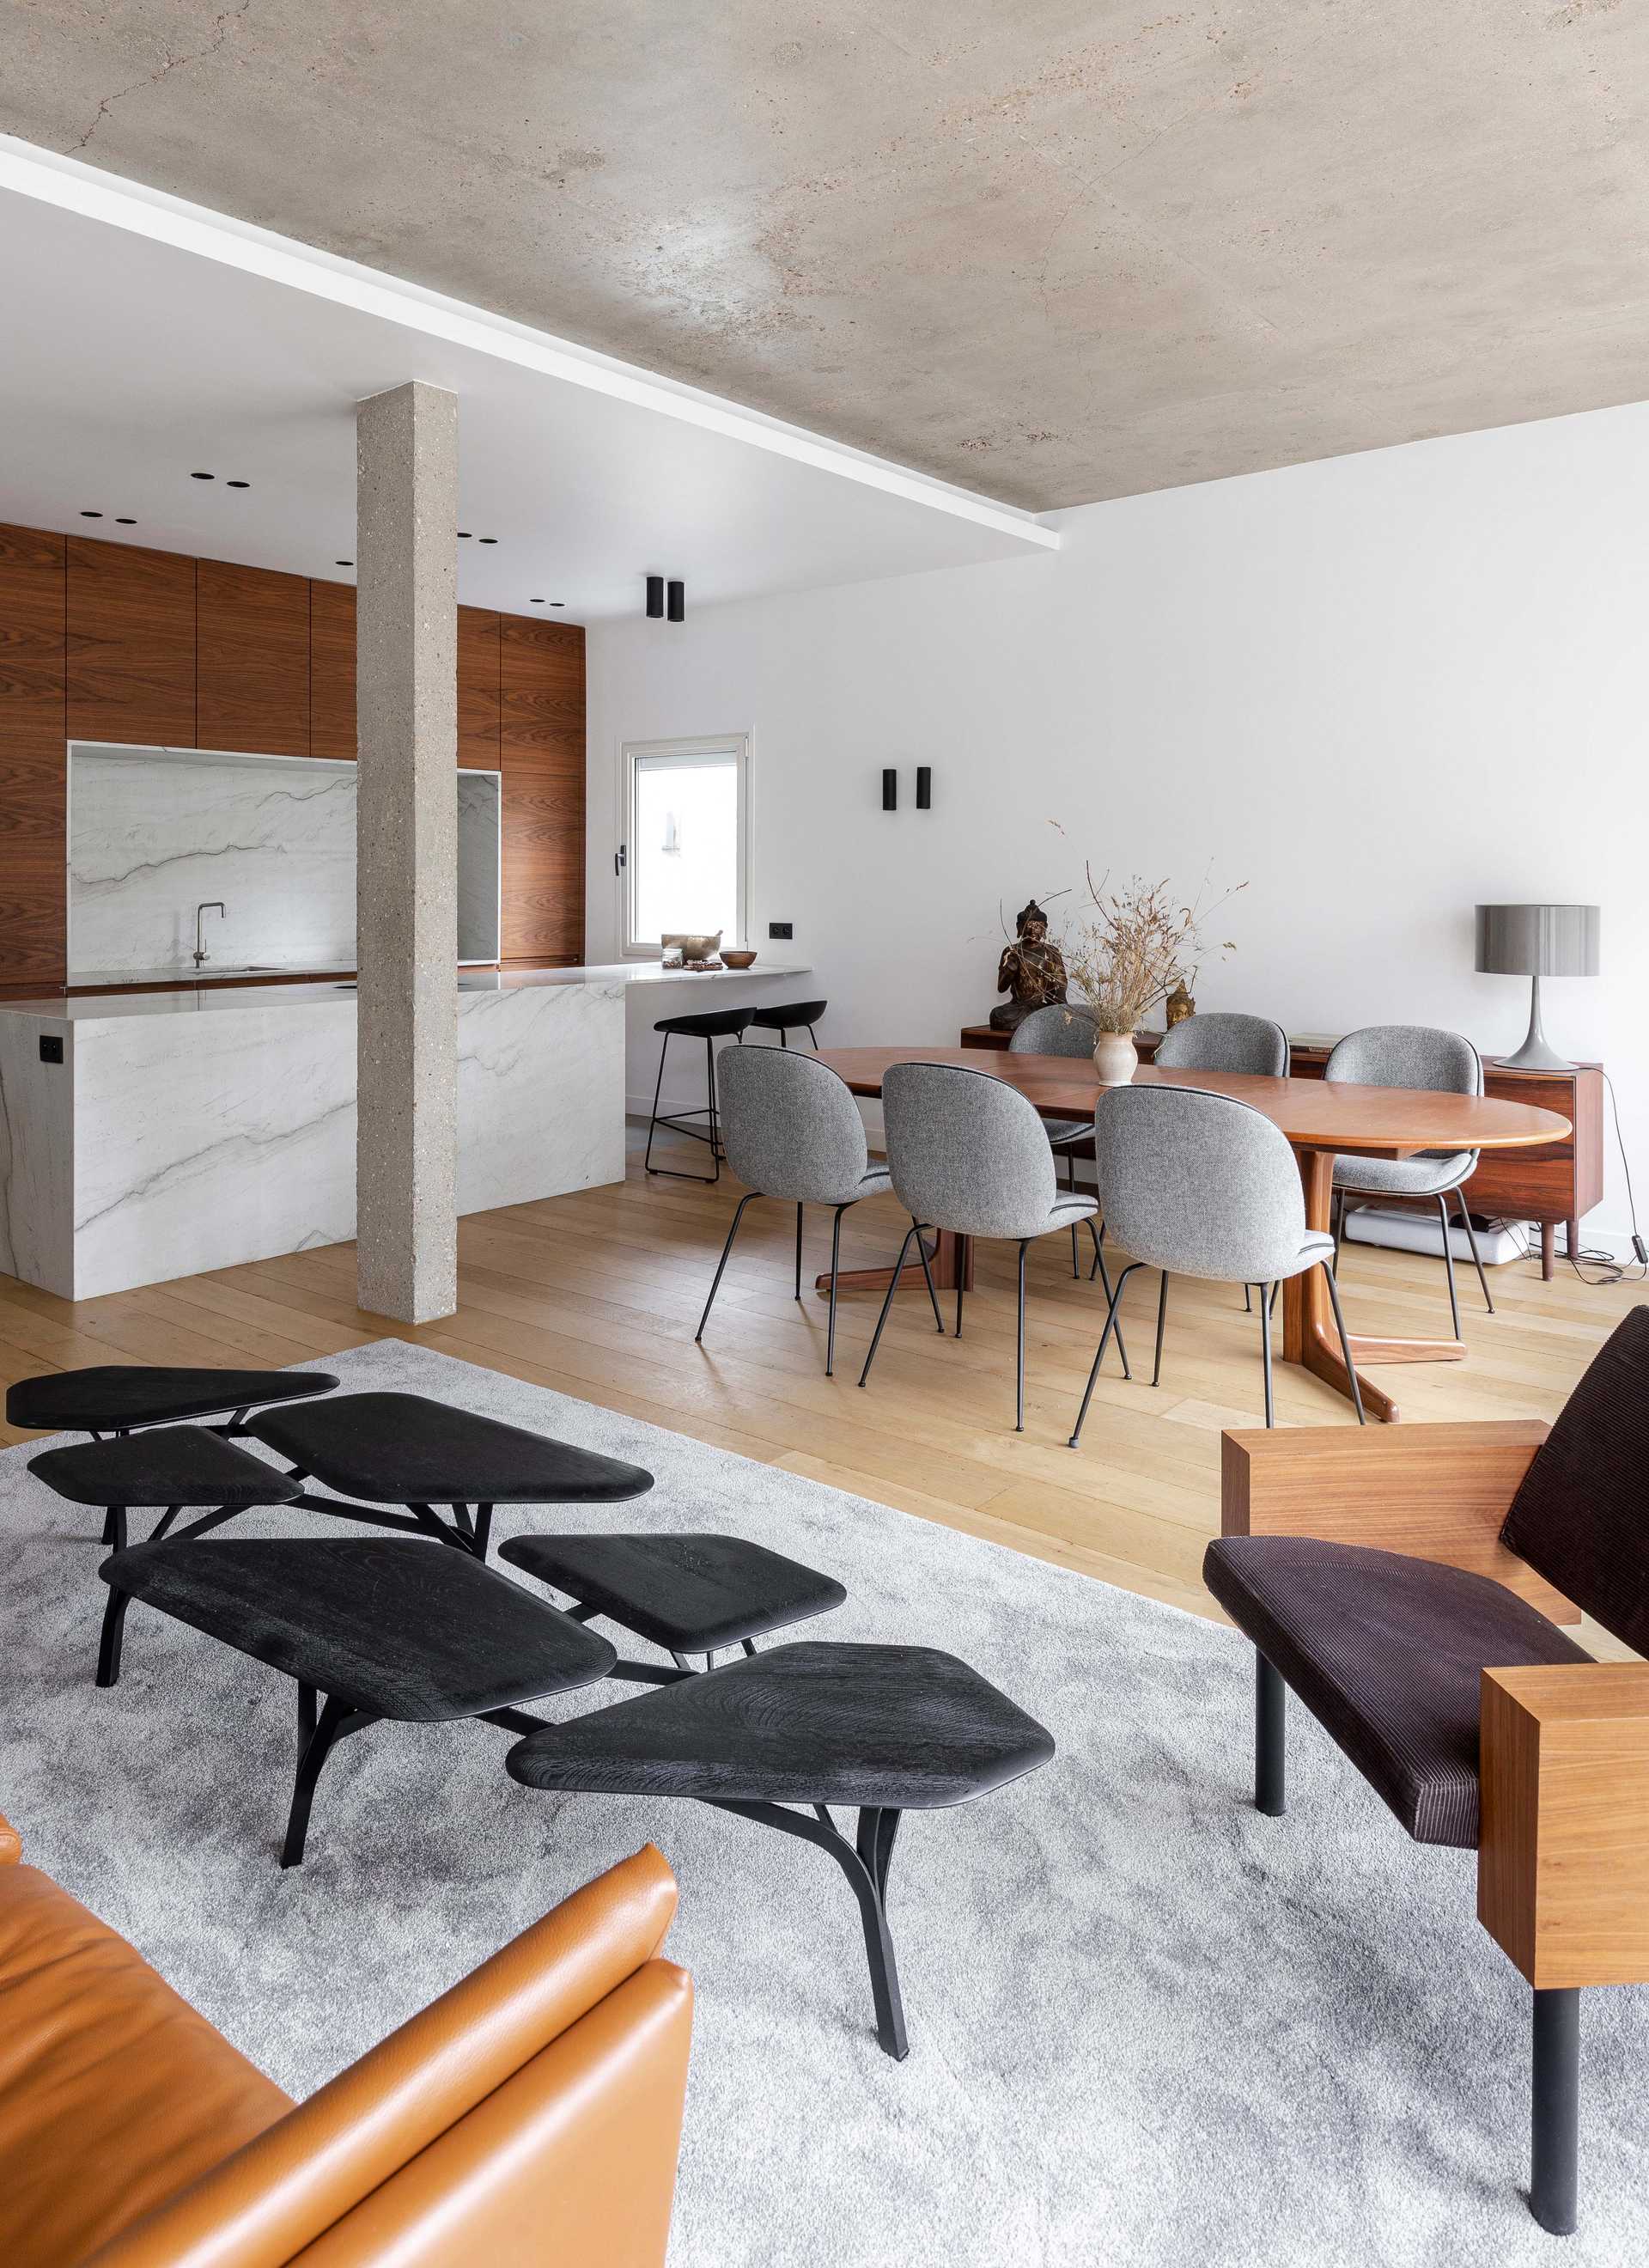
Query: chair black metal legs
x,y
1471,1239
1265,1352
799,1214
678,1120
1270,1715
866,1862
1345,1345
1096,1230
317,1737
1019,1396
836,1270
1110,1319
1162,1317
1555,2111
916,1230
1448,1266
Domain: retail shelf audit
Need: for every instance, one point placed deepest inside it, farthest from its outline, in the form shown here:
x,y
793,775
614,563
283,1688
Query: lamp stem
x,y
1535,1054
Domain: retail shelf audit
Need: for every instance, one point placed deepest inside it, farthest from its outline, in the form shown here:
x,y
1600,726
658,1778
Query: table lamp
x,y
1536,941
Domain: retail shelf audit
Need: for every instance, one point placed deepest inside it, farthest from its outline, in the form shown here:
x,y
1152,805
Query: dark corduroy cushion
x,y
112,1395
1582,1513
1387,1654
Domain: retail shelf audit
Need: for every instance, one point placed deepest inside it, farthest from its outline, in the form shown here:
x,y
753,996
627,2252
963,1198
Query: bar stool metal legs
x,y
678,1120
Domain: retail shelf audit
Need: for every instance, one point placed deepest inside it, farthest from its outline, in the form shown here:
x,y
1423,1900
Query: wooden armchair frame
x,y
1564,1851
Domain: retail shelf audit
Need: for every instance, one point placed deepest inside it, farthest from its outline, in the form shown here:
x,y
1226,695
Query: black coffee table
x,y
168,1468
370,1628
887,1728
119,1398
406,1450
688,1593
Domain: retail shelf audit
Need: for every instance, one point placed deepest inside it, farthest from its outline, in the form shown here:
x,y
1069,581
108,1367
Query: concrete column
x,y
407,852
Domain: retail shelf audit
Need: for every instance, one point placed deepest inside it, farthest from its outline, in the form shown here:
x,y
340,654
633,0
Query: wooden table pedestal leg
x,y
951,1256
1309,1337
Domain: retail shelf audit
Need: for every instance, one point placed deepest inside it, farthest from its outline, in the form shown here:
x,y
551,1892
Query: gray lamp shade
x,y
1537,941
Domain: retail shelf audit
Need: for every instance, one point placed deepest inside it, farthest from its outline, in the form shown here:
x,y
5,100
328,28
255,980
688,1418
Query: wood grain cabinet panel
x,y
253,660
332,670
541,751
131,645
34,738
478,653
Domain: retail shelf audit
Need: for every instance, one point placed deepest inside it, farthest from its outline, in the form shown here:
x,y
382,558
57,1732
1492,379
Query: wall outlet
x,y
51,1050
779,929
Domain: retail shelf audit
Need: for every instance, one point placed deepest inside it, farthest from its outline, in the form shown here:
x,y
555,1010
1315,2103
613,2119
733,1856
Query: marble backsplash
x,y
155,832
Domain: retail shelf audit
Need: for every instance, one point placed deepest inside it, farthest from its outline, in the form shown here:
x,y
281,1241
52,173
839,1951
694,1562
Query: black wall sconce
x,y
890,790
924,787
655,598
665,602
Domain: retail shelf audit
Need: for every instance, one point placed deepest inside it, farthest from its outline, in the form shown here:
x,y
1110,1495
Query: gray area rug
x,y
1147,2026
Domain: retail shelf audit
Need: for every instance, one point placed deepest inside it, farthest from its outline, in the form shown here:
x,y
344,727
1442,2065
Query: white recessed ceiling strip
x,y
77,188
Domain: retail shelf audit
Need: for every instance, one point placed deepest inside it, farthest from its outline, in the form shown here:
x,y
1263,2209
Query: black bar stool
x,y
715,1024
788,1016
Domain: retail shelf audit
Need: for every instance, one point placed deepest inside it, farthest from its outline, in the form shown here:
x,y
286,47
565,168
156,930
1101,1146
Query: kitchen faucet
x,y
210,905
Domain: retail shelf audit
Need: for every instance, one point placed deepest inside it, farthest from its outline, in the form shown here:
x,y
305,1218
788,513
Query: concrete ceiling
x,y
1056,250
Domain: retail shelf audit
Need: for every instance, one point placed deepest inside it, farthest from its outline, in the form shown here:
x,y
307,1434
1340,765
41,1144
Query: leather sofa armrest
x,y
1429,1491
10,1843
1565,1847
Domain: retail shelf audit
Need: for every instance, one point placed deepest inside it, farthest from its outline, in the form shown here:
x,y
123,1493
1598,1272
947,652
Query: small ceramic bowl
x,y
737,959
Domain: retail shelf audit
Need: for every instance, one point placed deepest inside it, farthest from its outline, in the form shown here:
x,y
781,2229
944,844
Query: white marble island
x,y
148,1136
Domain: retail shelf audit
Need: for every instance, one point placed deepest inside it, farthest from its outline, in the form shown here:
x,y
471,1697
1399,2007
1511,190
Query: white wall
x,y
1378,689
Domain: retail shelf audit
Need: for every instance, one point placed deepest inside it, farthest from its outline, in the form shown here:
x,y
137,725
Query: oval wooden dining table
x,y
1322,1119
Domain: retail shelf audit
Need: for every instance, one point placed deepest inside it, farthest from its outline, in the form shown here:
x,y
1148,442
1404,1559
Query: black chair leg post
x,y
1018,1398
1554,2186
336,1720
1270,1724
1448,1265
835,1270
1471,1239
1070,1184
915,1230
1094,1375
1096,1230
799,1215
1162,1317
109,1643
1339,1229
962,1249
927,1277
1265,1353
722,1263
1345,1346
658,1089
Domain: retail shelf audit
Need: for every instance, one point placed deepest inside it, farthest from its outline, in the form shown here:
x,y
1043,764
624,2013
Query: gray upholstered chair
x,y
1442,1062
792,1131
1202,1185
1219,1042
967,1153
1058,1030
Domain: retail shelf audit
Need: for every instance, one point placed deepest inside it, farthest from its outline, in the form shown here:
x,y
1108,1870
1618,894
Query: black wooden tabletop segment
x,y
691,1594
185,1465
108,1396
404,1449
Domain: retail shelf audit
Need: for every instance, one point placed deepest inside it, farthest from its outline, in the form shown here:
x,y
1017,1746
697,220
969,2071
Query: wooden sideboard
x,y
1560,1181
106,641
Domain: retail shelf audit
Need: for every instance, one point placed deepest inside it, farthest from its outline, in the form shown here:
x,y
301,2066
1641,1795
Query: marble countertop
x,y
221,998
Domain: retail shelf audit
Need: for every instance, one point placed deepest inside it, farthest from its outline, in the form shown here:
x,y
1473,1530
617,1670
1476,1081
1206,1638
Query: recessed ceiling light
x,y
237,484
202,476
488,538
90,515
119,522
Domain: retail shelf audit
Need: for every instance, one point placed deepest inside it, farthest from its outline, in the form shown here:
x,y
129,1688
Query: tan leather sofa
x,y
532,2114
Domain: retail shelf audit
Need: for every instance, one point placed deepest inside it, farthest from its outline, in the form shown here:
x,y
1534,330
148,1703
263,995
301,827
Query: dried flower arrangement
x,y
1134,947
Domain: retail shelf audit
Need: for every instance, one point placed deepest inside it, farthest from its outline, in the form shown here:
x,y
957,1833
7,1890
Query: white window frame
x,y
736,744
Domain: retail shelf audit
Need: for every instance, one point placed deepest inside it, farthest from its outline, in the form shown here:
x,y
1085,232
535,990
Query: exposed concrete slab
x,y
407,853
1057,251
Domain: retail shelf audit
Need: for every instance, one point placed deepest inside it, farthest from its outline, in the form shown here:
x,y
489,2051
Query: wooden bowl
x,y
740,960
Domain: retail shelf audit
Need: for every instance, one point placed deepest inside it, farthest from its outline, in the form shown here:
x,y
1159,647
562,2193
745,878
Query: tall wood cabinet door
x,y
541,749
478,688
254,659
33,865
131,645
332,670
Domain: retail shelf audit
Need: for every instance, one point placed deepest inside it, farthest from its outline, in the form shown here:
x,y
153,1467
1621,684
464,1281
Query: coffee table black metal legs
x,y
866,1862
317,1737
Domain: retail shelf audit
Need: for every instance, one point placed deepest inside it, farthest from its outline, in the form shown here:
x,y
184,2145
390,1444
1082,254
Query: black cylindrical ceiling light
x,y
924,787
655,598
677,609
890,790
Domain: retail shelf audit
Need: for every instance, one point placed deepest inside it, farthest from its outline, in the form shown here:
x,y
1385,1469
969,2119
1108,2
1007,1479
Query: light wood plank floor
x,y
598,1294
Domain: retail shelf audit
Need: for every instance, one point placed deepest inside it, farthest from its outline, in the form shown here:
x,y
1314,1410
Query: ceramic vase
x,y
1116,1058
